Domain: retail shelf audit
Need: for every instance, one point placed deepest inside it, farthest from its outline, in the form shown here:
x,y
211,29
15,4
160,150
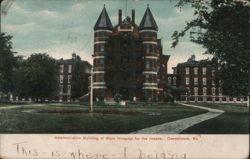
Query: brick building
x,y
67,70
199,79
128,59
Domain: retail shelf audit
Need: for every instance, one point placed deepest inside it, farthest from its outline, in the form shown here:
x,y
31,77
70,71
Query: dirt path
x,y
178,126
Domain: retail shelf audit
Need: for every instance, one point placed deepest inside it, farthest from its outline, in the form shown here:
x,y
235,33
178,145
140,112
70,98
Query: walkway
x,y
178,126
18,106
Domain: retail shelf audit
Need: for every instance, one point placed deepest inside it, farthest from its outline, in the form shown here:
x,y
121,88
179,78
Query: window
x,y
69,89
187,70
169,80
174,81
213,82
98,77
213,91
204,81
220,91
101,47
195,81
147,49
188,90
195,90
146,78
61,78
196,70
69,78
213,72
147,64
220,82
61,89
204,91
101,62
204,70
69,68
61,68
187,81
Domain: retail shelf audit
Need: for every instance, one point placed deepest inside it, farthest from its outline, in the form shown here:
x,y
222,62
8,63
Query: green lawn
x,y
76,119
235,120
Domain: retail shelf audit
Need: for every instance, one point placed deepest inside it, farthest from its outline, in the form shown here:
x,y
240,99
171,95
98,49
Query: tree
x,y
38,77
223,28
79,80
7,63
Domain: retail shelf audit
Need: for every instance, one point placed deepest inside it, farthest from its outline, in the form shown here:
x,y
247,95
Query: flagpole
x,y
1,16
91,91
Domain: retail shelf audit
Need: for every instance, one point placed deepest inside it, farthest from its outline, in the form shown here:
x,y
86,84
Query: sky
x,y
63,27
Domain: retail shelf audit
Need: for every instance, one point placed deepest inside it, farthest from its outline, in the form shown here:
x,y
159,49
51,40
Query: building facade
x,y
199,78
128,59
67,72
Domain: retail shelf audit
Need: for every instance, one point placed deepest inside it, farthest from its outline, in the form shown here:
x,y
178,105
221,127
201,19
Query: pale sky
x,y
61,27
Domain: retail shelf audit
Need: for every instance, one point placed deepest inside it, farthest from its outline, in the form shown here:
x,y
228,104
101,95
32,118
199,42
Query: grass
x,y
76,119
235,120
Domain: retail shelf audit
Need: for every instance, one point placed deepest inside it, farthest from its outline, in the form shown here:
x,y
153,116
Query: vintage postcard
x,y
124,79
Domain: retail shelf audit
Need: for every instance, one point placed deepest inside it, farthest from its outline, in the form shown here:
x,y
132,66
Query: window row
x,y
69,78
150,64
102,34
204,81
149,34
99,47
196,71
204,90
68,89
172,81
150,48
150,78
62,68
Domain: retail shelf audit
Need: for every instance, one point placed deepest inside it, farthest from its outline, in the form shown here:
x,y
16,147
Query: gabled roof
x,y
103,21
148,21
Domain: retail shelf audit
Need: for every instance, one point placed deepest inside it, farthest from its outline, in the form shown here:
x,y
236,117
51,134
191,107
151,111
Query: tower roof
x,y
148,21
103,21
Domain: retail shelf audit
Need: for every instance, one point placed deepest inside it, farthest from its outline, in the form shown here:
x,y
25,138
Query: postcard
x,y
124,79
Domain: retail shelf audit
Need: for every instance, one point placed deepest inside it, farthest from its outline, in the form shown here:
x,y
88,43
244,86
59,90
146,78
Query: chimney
x,y
120,16
74,56
133,16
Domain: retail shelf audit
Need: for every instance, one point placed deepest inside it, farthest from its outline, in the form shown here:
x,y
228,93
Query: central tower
x,y
127,58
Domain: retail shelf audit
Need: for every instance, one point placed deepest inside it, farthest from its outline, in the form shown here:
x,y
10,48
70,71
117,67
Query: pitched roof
x,y
148,21
103,21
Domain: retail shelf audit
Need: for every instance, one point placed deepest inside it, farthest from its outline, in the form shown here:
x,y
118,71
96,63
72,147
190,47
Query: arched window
x,y
174,81
169,80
